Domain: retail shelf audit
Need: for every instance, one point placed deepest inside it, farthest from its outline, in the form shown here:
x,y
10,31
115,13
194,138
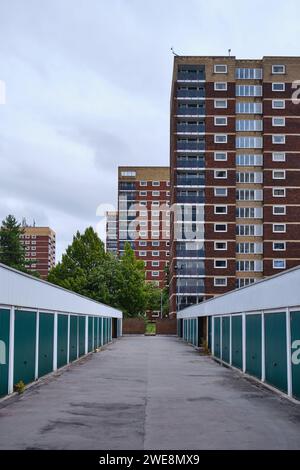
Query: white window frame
x,y
278,101
278,73
155,264
143,193
277,189
282,159
143,183
155,193
220,213
220,177
218,101
155,183
220,249
279,231
278,125
155,253
278,143
220,159
221,195
221,231
155,273
142,254
225,141
277,213
220,83
223,123
220,285
277,249
279,260
276,177
218,261
142,243
278,83
224,71
155,233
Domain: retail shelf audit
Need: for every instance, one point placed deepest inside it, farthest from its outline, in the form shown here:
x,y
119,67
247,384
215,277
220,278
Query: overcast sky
x,y
88,89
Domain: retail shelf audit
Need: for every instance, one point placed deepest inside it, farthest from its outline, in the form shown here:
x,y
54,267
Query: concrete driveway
x,y
149,393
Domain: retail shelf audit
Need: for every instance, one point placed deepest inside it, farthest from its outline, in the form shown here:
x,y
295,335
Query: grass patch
x,y
150,328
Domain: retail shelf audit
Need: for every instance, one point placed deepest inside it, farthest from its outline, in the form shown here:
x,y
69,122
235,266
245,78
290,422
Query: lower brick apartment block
x,y
39,244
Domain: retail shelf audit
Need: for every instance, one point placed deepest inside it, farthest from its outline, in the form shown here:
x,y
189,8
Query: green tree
x,y
132,292
84,267
11,250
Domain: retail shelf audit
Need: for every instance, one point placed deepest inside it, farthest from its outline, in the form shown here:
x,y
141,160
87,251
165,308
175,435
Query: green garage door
x,y
226,339
209,333
95,332
295,336
276,356
100,331
253,345
237,341
90,337
81,336
62,340
104,331
217,345
24,357
46,337
4,350
73,337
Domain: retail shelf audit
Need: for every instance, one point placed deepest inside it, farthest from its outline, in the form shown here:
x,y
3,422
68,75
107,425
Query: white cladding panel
x,y
21,290
276,292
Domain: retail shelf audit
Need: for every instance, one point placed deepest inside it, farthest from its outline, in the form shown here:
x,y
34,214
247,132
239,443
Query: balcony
x,y
190,200
126,186
190,253
190,163
186,146
190,290
185,75
191,93
190,128
190,181
191,111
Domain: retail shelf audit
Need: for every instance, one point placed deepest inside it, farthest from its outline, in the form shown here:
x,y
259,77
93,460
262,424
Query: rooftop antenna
x,y
173,52
33,223
229,52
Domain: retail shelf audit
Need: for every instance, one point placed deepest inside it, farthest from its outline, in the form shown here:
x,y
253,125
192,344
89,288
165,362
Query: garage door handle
x,y
253,357
274,364
62,350
25,362
45,355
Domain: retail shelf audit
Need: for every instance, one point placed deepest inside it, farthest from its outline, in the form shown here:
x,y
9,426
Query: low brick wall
x,y
133,326
166,327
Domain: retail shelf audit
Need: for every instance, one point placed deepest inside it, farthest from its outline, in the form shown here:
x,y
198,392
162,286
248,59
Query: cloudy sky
x,y
88,89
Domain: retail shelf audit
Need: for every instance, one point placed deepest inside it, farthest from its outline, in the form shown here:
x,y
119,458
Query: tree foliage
x,y
11,249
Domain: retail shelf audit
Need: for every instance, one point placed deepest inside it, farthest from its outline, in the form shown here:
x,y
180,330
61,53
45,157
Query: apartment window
x,y
253,230
128,173
143,234
249,212
142,243
155,233
220,139
220,68
155,253
142,253
249,142
249,195
155,264
220,121
155,203
278,86
249,177
278,104
279,246
278,69
220,227
248,74
220,263
155,223
155,183
143,193
220,281
143,203
249,265
143,214
143,183
143,223
243,125
249,160
248,90
278,263
279,210
244,281
155,273
278,174
220,246
220,192
220,156
155,193
220,174
220,86
220,104
246,107
278,139
279,228
155,243
220,209
249,248
168,183
278,121
155,213
278,157
278,192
